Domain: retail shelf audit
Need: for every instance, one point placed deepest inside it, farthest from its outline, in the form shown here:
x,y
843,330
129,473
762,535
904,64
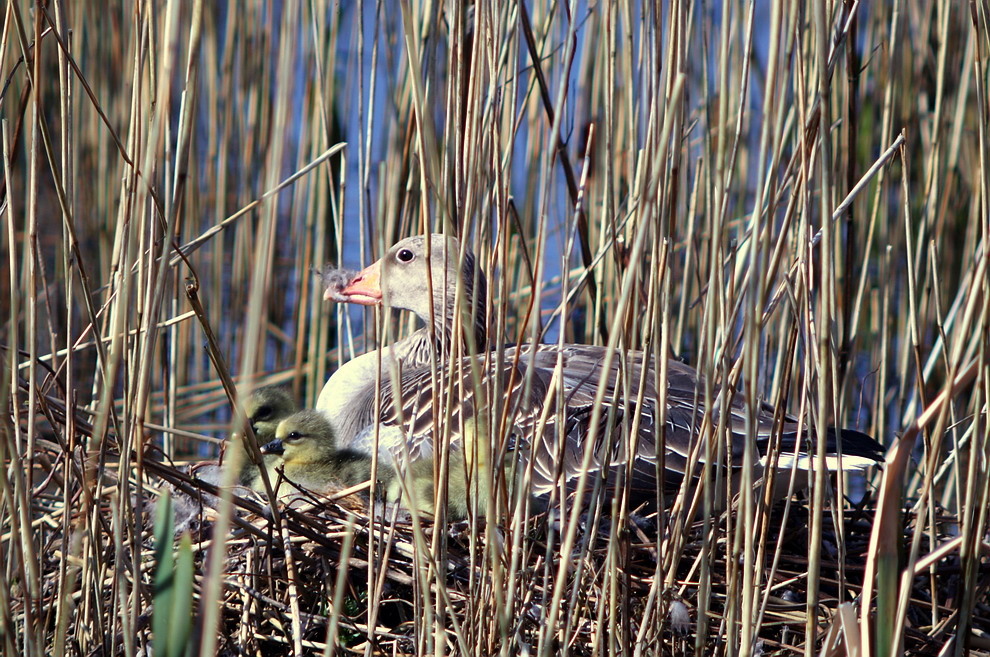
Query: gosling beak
x,y
365,288
274,447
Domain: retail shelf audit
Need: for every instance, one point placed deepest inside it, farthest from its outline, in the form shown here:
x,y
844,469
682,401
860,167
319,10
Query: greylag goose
x,y
529,383
310,460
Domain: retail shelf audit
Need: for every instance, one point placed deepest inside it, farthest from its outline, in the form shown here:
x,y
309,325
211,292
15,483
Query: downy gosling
x,y
311,460
264,409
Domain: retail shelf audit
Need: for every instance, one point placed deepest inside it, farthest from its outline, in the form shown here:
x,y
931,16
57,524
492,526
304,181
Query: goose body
x,y
347,391
547,393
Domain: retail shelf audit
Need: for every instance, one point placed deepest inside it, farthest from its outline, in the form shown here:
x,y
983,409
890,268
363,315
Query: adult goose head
x,y
427,276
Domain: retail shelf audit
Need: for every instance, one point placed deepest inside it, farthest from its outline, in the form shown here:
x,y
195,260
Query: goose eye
x,y
405,255
263,412
293,435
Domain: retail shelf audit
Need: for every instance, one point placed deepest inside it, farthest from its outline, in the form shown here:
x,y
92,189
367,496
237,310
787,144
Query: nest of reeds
x,y
337,570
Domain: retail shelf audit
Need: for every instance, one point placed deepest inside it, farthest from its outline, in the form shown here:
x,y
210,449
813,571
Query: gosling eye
x,y
263,413
293,435
405,255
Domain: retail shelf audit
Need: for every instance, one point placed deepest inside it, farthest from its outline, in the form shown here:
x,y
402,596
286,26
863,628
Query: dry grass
x,y
792,198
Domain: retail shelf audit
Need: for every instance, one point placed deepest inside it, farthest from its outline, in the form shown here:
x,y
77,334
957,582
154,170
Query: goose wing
x,y
522,393
417,406
543,399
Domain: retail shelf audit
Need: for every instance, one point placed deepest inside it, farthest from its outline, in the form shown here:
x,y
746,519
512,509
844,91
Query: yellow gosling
x,y
311,460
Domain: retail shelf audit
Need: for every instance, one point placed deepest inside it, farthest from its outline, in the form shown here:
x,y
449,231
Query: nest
x,y
332,569
497,583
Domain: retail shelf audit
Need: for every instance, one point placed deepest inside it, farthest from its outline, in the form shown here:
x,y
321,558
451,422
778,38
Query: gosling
x,y
311,460
264,408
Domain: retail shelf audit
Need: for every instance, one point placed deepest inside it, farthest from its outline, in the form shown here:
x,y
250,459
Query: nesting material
x,y
330,568
281,581
334,280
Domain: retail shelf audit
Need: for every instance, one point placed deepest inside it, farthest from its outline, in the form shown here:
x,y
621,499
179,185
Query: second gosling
x,y
265,408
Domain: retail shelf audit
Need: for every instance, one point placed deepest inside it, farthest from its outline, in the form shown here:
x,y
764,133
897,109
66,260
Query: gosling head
x,y
266,407
302,438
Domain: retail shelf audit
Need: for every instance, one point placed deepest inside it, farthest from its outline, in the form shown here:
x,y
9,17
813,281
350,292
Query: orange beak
x,y
365,288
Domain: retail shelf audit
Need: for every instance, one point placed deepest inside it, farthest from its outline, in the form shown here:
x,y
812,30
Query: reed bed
x,y
791,197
